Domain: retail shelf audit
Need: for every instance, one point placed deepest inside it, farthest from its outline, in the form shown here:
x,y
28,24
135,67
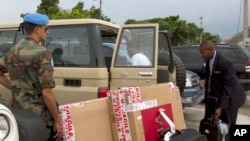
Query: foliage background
x,y
180,31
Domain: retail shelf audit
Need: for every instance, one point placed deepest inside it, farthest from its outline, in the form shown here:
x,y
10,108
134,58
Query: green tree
x,y
131,21
95,13
194,33
49,7
179,30
78,11
209,36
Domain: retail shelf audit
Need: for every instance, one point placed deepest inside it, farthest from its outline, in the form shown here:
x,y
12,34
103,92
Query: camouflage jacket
x,y
30,70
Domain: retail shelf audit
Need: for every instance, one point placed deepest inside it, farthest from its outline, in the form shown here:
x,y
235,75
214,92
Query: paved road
x,y
193,115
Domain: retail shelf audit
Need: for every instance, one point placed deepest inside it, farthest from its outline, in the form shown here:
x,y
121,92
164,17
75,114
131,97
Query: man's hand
x,y
217,112
202,84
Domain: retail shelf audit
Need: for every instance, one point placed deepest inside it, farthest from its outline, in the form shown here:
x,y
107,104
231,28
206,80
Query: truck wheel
x,y
180,73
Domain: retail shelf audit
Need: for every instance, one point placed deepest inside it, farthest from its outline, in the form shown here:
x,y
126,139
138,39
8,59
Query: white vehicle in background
x,y
18,125
8,125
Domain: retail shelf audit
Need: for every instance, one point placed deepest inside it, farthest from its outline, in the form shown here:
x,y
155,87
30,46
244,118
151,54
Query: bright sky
x,y
222,17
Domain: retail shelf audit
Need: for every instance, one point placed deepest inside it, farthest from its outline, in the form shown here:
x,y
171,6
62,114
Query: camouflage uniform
x,y
30,70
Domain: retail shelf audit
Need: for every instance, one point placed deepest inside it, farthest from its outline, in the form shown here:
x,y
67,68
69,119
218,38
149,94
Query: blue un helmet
x,y
36,18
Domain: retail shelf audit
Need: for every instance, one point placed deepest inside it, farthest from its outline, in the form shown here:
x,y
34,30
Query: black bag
x,y
214,129
183,135
171,134
30,126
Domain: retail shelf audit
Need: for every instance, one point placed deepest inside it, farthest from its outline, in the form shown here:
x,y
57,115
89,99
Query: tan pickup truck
x,y
94,57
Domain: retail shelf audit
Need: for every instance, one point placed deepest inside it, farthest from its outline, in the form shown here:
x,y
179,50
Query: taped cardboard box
x,y
165,94
152,122
91,121
129,115
146,124
119,118
66,120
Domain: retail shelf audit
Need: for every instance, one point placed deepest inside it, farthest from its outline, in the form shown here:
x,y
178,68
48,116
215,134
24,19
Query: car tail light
x,y
247,66
102,92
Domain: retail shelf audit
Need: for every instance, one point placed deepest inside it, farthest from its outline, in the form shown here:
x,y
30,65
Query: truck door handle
x,y
145,73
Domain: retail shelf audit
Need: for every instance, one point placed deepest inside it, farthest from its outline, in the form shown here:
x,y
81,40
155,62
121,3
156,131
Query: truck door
x,y
134,62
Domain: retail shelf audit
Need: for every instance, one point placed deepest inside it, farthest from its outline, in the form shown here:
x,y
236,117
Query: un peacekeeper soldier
x,y
31,74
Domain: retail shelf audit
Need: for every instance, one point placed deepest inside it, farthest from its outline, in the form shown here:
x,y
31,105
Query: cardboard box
x,y
153,122
66,120
135,115
91,121
123,124
119,118
165,93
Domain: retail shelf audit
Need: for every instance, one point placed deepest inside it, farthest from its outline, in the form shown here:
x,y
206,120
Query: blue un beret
x,y
36,18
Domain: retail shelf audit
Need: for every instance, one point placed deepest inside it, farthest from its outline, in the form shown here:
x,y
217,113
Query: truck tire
x,y
180,73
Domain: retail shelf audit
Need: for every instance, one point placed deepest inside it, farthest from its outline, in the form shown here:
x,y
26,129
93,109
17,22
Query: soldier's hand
x,y
58,136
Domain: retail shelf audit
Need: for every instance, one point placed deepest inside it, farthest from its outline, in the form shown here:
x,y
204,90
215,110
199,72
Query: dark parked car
x,y
192,93
239,56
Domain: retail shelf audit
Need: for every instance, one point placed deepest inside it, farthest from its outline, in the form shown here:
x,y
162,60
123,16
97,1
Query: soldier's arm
x,y
50,101
47,82
4,81
3,69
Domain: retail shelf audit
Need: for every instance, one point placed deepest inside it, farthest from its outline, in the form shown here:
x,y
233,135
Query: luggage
x,y
214,129
171,134
184,135
30,126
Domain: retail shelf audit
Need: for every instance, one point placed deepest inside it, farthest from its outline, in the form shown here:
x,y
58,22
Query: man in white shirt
x,y
137,58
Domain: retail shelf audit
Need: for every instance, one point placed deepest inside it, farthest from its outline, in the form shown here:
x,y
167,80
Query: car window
x,y
193,55
179,52
6,41
74,43
230,53
241,55
108,50
141,40
164,46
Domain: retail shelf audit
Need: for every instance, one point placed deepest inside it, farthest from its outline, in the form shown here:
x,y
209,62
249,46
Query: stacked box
x,y
166,93
119,113
66,120
127,114
89,120
135,111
